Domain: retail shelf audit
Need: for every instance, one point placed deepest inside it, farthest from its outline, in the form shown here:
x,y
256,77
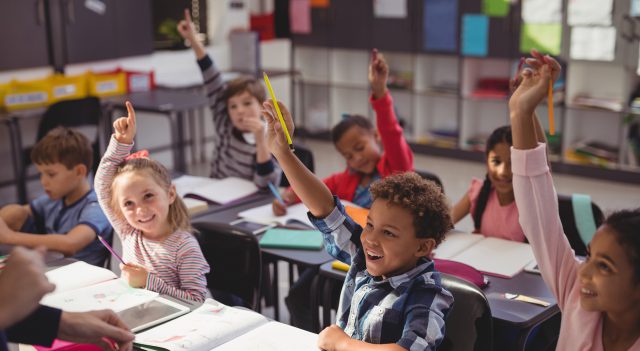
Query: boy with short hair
x,y
392,294
240,148
68,214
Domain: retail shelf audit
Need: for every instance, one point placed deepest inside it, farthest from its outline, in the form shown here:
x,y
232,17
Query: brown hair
x,y
178,216
242,84
65,146
626,225
346,123
423,198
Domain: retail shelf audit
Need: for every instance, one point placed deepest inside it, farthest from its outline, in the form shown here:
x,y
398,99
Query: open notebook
x,y
503,258
295,213
219,191
215,326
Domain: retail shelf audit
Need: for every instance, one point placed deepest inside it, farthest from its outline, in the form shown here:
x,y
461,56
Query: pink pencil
x,y
110,249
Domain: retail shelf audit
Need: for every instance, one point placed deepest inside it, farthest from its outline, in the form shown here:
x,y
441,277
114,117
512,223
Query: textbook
x,y
219,191
215,326
283,238
492,256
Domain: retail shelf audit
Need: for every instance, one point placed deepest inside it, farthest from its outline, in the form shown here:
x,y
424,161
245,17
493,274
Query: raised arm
x,y
188,32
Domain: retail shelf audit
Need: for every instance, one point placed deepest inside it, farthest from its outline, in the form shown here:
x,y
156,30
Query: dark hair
x,y
425,200
500,135
242,84
626,224
65,146
346,123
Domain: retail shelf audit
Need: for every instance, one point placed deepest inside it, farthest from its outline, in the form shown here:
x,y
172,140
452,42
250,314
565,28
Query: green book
x,y
292,239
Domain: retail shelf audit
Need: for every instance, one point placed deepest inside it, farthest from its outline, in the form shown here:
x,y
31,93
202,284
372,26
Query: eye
x,y
359,147
148,195
128,203
389,234
369,225
603,267
496,162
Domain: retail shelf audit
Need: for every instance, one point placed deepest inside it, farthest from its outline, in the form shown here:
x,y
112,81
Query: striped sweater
x,y
232,156
176,265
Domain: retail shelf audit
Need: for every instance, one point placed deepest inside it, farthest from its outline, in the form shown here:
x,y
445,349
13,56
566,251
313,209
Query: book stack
x,y
441,138
593,153
597,102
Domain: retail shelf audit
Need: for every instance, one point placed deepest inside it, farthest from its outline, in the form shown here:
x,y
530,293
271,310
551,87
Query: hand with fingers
x,y
103,328
275,135
534,82
279,208
125,127
378,74
186,28
135,275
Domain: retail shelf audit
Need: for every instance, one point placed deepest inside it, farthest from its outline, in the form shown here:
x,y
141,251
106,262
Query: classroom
x,y
320,175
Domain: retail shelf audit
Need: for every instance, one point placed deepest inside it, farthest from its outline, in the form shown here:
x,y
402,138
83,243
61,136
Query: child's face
x,y
243,107
360,148
607,282
389,240
144,203
499,168
57,180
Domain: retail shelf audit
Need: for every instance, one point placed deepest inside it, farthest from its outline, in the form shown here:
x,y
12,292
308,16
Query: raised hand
x,y
534,83
125,127
186,28
378,74
276,139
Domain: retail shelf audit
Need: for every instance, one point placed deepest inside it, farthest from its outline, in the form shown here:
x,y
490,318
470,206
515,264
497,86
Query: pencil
x,y
275,102
552,128
276,194
104,242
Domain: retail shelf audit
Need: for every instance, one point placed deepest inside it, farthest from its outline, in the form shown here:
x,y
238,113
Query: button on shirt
x,y
408,309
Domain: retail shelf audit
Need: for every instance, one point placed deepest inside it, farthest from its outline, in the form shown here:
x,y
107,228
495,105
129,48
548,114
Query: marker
x,y
104,242
275,193
275,102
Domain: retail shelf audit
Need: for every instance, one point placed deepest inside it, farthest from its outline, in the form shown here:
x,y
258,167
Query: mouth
x,y
587,293
146,220
373,256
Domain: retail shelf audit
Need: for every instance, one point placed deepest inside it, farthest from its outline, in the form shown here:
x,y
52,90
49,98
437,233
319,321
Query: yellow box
x,y
27,94
3,90
107,83
68,87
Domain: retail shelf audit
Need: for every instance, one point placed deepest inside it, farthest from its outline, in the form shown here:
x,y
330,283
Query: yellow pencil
x,y
552,128
275,102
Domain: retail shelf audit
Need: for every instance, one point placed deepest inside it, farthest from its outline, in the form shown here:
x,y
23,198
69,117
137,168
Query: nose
x,y
370,236
584,272
504,170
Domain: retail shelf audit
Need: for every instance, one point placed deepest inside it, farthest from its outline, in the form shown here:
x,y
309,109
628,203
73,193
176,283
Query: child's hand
x,y
280,209
276,139
253,125
186,28
331,337
125,127
5,232
535,83
378,74
135,275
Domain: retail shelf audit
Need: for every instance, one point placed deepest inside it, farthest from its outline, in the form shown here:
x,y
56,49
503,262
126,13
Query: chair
x,y
236,263
432,177
569,225
469,325
305,156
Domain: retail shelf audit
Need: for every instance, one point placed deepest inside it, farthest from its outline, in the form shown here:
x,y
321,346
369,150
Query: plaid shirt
x,y
408,309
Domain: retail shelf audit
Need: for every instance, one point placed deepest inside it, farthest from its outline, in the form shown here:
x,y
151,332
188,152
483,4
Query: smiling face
x,y
243,106
607,280
389,240
499,168
144,203
360,148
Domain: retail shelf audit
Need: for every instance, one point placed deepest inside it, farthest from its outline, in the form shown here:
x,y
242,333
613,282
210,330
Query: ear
x,y
425,247
376,136
81,170
172,194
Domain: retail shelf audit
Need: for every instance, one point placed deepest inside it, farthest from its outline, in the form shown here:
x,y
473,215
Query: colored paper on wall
x,y
635,8
541,11
320,3
495,8
475,35
440,25
390,8
546,38
589,12
583,39
300,16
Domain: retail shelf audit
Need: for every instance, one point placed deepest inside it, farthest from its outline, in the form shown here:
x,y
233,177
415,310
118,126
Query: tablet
x,y
252,227
151,313
532,268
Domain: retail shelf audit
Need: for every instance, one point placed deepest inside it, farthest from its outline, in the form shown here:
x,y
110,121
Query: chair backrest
x,y
235,260
432,177
469,325
568,219
305,156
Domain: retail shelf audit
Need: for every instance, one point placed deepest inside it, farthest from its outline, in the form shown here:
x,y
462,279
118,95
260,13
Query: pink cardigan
x,y
538,206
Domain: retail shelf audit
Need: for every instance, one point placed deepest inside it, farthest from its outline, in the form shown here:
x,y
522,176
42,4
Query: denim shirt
x,y
407,309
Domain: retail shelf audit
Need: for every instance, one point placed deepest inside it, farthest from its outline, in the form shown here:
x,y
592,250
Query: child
x,y
359,143
600,298
391,295
240,149
137,196
67,218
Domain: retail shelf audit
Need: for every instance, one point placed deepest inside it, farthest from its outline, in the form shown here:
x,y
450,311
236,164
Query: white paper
x,y
497,256
589,12
454,243
542,11
264,214
221,191
593,43
77,275
273,336
390,8
210,325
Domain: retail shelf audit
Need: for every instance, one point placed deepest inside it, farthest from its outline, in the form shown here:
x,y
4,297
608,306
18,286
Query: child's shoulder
x,y
182,239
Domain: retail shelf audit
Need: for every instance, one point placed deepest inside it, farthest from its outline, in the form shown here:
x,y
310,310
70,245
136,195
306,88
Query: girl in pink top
x,y
600,298
137,196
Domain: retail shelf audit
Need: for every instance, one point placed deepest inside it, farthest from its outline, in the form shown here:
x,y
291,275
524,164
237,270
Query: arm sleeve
x,y
396,148
424,322
40,328
93,217
267,172
341,233
214,87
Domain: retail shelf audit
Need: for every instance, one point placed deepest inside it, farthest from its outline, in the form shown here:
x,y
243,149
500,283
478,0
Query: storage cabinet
x,y
23,42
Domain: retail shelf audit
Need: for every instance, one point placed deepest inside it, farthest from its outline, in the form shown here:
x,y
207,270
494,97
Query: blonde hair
x,y
178,215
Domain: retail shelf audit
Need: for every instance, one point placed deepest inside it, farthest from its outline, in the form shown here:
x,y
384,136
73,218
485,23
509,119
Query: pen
x,y
275,102
275,193
110,249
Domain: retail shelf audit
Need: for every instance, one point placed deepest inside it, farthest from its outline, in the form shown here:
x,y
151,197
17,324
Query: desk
x,y
516,314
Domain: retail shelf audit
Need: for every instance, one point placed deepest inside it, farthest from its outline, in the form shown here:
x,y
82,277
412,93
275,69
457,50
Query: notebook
x,y
215,326
219,191
295,214
282,238
492,256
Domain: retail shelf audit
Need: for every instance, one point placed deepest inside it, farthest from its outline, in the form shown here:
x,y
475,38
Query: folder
x,y
292,239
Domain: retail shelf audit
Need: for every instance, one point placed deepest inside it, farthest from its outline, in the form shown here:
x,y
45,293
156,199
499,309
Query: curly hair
x,y
425,200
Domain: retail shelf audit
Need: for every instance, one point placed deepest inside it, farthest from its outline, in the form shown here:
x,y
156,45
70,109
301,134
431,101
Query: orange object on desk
x,y
358,214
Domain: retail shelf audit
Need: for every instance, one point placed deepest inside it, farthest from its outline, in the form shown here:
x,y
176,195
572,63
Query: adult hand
x,y
103,328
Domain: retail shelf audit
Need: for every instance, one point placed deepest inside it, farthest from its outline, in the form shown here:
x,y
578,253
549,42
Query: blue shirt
x,y
408,309
362,197
54,217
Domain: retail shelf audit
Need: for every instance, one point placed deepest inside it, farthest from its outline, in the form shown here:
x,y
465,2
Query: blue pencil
x,y
276,193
